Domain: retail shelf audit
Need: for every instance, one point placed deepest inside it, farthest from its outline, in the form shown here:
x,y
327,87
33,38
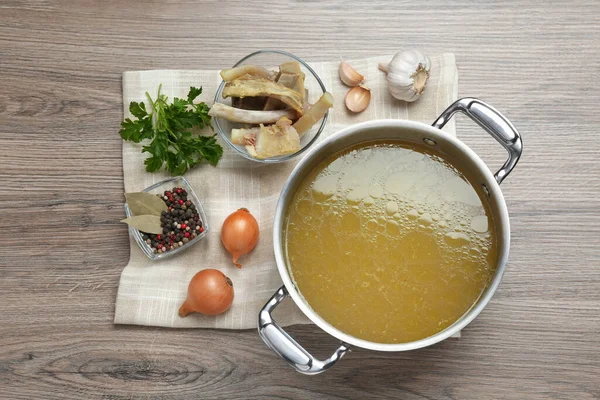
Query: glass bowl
x,y
159,188
271,59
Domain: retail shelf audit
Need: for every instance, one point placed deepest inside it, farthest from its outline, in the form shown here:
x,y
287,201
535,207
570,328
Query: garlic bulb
x,y
348,75
407,74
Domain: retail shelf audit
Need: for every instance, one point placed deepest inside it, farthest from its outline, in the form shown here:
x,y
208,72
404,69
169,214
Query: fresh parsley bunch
x,y
168,127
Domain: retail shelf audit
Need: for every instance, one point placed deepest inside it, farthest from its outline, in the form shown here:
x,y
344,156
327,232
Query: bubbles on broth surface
x,y
395,183
393,234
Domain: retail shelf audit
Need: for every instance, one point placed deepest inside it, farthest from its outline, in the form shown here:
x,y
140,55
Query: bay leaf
x,y
145,223
142,203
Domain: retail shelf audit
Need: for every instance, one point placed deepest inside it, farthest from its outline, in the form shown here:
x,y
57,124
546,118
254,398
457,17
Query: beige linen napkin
x,y
150,292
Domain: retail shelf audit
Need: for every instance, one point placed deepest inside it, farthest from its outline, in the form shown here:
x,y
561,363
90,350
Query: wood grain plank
x,y
62,248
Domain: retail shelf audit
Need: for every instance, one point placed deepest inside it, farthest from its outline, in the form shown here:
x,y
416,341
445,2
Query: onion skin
x,y
210,292
239,234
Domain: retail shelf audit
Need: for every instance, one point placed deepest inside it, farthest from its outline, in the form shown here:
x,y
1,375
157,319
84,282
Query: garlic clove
x,y
348,75
358,98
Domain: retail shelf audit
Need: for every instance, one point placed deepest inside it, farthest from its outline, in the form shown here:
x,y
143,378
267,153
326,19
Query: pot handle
x,y
494,123
287,348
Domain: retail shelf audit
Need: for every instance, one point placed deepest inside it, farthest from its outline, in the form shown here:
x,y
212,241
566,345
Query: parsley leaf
x,y
168,126
138,110
194,92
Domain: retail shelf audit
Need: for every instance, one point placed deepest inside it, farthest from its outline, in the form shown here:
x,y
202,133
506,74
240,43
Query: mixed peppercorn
x,y
181,223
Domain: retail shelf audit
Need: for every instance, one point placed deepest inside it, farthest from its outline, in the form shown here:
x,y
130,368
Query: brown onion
x,y
210,292
239,234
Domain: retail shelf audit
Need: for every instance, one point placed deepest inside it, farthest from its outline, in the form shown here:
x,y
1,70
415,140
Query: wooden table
x,y
62,248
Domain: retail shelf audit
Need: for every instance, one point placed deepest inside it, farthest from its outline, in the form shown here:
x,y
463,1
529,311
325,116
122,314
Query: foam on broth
x,y
389,244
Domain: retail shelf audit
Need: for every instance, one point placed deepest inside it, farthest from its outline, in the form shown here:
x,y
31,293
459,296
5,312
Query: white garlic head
x,y
407,74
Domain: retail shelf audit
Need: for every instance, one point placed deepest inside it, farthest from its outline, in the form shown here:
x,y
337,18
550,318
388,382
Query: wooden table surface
x,y
62,248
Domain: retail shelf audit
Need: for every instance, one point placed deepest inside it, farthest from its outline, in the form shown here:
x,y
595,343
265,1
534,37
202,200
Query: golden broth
x,y
389,244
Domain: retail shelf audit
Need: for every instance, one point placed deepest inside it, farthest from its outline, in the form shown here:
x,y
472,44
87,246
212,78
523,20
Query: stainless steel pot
x,y
458,154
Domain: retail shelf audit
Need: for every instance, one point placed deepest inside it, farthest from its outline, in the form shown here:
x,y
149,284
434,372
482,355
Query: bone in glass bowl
x,y
270,59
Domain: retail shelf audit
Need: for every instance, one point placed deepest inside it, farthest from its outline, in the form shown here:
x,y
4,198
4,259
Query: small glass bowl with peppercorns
x,y
184,223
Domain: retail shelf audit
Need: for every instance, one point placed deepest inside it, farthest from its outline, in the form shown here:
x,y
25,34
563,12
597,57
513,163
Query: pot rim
x,y
335,332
